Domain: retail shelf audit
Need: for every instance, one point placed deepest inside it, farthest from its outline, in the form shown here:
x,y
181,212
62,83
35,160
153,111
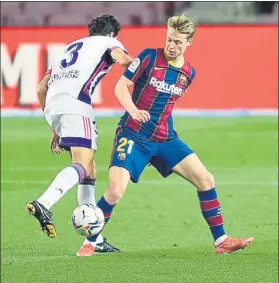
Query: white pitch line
x,y
154,182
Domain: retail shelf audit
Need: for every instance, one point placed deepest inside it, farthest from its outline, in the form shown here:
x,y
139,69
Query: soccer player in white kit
x,y
65,96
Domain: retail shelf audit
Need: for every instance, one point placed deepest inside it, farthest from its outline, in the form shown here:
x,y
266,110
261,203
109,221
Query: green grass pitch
x,y
158,224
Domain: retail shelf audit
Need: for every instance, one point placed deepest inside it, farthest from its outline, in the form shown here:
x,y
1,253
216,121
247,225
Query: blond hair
x,y
183,24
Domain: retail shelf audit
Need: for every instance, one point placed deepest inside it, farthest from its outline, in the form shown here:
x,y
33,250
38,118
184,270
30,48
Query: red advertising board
x,y
236,66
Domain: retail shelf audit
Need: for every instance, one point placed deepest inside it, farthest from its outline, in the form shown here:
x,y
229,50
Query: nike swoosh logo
x,y
158,68
101,247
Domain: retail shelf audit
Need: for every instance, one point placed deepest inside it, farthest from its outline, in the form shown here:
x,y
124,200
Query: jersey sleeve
x,y
138,66
191,77
193,74
114,44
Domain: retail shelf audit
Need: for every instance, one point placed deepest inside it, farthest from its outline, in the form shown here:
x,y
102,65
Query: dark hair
x,y
104,25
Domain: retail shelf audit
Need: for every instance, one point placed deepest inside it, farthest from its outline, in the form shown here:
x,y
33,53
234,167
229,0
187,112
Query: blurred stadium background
x,y
158,224
136,13
234,40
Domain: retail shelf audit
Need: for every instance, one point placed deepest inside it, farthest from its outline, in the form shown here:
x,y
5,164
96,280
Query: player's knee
x,y
210,181
88,168
114,192
84,157
206,182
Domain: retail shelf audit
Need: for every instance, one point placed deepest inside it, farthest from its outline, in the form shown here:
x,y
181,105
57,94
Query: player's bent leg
x,y
192,169
80,168
119,178
78,134
118,181
63,182
124,165
86,194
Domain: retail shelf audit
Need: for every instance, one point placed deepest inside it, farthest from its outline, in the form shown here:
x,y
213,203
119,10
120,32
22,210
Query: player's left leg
x,y
176,156
192,169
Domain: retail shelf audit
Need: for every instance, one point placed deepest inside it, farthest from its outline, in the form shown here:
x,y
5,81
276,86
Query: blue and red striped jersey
x,y
157,87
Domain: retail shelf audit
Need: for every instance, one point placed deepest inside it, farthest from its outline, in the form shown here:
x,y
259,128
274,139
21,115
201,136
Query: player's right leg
x,y
85,195
119,178
128,160
77,134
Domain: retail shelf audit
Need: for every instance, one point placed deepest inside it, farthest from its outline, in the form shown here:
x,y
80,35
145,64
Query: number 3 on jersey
x,y
72,50
122,143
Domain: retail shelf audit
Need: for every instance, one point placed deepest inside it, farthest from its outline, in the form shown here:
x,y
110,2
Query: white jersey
x,y
76,72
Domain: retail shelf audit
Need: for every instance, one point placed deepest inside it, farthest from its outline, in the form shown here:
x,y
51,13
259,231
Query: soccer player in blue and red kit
x,y
145,134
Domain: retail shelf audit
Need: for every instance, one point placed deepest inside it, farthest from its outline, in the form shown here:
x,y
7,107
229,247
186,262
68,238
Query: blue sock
x,y
107,209
212,213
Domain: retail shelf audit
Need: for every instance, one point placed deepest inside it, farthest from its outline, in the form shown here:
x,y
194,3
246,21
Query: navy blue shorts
x,y
134,154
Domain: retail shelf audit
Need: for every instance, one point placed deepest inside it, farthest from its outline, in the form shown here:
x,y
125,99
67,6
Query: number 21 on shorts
x,y
122,144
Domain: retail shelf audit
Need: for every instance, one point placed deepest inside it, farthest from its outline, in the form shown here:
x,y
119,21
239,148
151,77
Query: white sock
x,y
63,182
99,240
220,240
86,192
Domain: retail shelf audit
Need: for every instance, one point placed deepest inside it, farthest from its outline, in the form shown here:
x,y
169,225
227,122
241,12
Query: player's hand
x,y
141,116
54,144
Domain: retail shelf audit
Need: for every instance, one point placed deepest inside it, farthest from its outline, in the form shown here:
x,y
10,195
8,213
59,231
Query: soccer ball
x,y
88,220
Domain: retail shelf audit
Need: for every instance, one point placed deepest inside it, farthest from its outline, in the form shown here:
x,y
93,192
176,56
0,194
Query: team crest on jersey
x,y
183,79
122,156
134,65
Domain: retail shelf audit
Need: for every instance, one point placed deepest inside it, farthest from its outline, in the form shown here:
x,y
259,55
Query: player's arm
x,y
42,90
123,95
121,57
131,75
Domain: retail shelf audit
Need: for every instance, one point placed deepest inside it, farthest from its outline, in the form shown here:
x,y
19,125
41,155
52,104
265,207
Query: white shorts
x,y
74,130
